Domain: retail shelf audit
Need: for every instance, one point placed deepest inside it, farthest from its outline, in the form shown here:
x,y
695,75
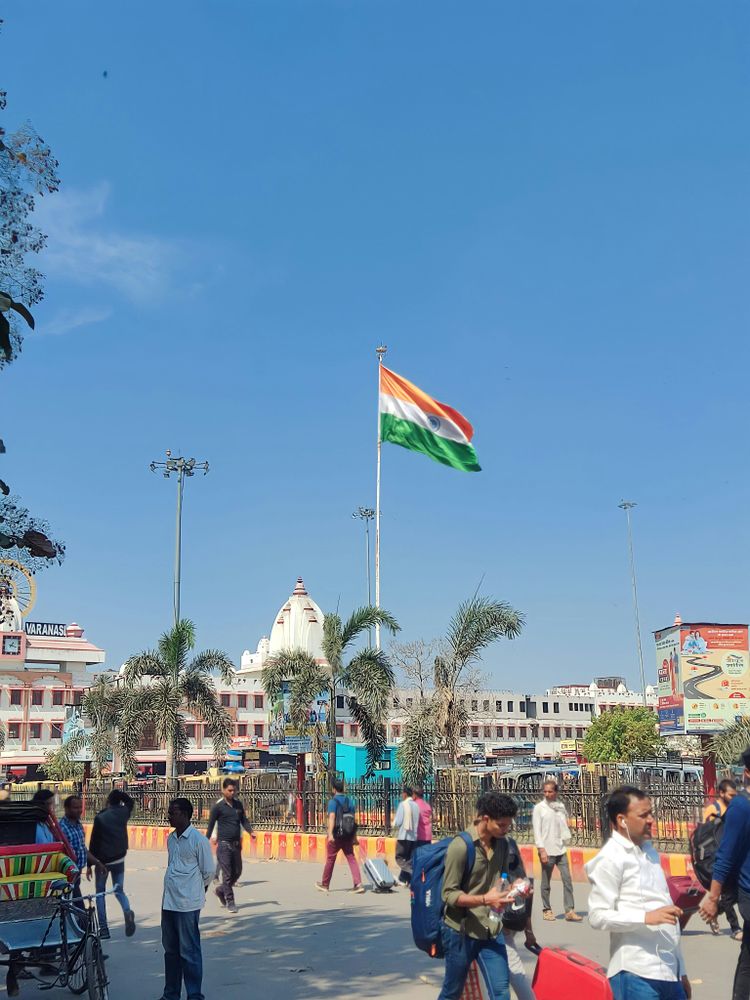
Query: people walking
x,y
551,836
405,824
424,827
109,843
732,865
470,930
228,816
341,835
715,810
630,899
71,826
189,872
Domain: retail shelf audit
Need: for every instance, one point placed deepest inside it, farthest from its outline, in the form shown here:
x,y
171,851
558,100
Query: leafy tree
x,y
27,170
731,741
26,539
623,735
367,679
477,623
171,683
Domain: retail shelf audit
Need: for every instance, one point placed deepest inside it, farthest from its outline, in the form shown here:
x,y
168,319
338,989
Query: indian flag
x,y
411,418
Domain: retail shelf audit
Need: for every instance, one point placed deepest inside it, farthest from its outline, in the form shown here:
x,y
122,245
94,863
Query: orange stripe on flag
x,y
401,388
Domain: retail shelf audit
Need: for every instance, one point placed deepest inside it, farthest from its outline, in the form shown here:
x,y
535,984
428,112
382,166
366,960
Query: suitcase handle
x,y
575,961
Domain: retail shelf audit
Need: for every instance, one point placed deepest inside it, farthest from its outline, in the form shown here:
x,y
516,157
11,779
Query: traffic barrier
x,y
285,845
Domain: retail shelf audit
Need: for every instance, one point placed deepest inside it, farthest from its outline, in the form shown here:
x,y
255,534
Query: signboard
x,y
703,673
382,765
282,735
54,630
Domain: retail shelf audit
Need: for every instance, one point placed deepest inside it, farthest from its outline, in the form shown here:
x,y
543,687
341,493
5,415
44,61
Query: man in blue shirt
x,y
732,864
336,840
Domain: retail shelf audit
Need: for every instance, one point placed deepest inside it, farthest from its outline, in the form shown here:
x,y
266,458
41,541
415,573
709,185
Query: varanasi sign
x,y
47,629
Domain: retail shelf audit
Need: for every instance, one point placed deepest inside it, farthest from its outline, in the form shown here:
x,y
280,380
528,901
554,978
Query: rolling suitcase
x,y
686,892
565,975
379,874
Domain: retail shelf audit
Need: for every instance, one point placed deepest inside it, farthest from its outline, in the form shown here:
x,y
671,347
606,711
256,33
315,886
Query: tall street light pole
x,y
182,468
366,514
627,506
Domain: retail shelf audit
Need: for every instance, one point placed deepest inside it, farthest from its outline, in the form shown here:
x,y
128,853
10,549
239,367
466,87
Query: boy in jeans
x,y
337,841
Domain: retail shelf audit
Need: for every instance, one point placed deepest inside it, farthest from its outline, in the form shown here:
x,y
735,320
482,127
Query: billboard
x,y
283,737
703,675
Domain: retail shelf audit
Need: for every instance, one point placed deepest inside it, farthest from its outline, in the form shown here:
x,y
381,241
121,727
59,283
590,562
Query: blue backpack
x,y
427,906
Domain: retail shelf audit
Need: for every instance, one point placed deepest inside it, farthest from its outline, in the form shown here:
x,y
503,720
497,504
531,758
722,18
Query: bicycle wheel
x,y
77,978
96,973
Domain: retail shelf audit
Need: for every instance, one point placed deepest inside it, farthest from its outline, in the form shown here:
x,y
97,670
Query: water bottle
x,y
496,916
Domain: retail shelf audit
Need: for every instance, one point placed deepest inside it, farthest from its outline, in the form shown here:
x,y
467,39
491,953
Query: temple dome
x,y
298,625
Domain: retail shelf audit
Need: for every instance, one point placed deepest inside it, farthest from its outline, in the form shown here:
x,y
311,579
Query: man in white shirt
x,y
405,824
189,872
630,899
551,836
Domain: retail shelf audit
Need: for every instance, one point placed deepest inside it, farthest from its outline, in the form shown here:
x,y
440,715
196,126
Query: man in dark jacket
x,y
109,843
228,816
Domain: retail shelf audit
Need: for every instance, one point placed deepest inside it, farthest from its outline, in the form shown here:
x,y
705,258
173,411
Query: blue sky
x,y
541,209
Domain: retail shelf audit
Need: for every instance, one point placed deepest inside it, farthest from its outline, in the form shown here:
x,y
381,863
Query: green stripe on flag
x,y
415,438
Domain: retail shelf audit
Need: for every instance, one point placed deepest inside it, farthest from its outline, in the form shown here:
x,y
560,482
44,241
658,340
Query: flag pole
x,y
380,350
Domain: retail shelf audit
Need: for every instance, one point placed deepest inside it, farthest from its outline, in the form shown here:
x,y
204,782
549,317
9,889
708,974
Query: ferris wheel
x,y
21,582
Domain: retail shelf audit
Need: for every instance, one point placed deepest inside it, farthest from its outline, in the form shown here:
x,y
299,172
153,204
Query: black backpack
x,y
345,824
704,844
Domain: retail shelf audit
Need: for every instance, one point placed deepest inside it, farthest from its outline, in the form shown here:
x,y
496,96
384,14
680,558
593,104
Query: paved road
x,y
691,687
290,941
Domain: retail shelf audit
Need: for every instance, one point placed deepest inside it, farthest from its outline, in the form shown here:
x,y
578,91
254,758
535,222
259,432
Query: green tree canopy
x,y
623,735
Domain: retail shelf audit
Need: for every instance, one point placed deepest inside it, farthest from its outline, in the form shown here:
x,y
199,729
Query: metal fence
x,y
272,802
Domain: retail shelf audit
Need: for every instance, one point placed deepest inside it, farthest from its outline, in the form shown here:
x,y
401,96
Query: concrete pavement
x,y
290,941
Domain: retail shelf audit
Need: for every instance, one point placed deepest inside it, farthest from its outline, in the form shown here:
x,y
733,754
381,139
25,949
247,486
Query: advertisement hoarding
x,y
668,686
283,737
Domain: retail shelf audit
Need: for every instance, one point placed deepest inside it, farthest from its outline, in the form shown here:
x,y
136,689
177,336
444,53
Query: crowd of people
x,y
629,895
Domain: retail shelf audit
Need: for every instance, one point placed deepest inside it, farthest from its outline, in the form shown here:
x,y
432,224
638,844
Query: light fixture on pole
x,y
366,514
627,506
183,468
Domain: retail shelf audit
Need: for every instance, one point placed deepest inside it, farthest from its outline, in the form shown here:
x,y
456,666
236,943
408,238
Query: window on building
x,y
579,733
37,697
396,732
522,732
488,732
339,701
474,705
242,729
545,732
35,730
225,700
354,732
14,730
522,706
499,732
241,701
339,732
258,729
78,697
475,732
545,707
15,696
409,702
510,706
498,706
511,732
486,705
55,730
396,702
556,707
462,733
557,732
190,730
148,739
257,701
58,697
568,732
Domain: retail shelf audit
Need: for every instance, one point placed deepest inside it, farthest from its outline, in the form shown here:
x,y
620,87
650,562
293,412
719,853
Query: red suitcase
x,y
566,975
686,892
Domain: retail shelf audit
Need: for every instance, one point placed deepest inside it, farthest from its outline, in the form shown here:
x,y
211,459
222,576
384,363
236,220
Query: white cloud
x,y
66,320
81,248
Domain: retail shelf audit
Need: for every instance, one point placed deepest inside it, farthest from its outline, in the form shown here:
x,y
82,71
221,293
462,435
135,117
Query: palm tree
x,y
477,623
172,685
367,680
731,742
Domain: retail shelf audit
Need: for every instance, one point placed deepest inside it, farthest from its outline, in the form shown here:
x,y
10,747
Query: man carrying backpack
x,y
341,836
732,864
706,840
471,921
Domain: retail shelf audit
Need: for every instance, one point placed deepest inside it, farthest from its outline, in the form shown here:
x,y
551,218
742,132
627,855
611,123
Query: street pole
x,y
366,514
627,506
183,468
